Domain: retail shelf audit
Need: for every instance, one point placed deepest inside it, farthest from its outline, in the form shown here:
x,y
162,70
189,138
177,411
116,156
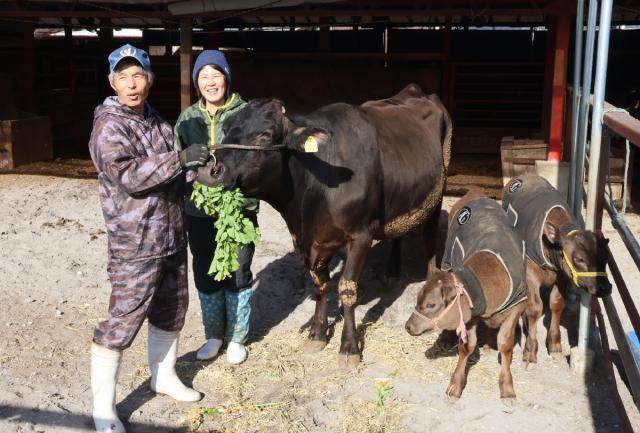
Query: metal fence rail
x,y
604,118
627,127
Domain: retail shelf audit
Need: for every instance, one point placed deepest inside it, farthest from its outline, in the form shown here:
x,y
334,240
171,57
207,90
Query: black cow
x,y
341,176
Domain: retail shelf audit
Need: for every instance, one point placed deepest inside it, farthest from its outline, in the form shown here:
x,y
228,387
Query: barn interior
x,y
499,66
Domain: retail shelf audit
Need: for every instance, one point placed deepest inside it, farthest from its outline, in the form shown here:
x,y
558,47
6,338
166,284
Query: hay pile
x,y
279,386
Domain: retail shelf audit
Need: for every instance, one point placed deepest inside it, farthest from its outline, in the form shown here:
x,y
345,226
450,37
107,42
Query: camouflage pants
x,y
154,288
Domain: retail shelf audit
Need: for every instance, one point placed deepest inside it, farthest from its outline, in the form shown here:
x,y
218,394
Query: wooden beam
x,y
375,12
277,12
82,14
361,56
185,62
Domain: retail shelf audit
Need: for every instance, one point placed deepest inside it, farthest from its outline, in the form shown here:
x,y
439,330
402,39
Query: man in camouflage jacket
x,y
141,186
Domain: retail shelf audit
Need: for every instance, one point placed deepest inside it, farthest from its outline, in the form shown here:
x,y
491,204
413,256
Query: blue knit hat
x,y
211,57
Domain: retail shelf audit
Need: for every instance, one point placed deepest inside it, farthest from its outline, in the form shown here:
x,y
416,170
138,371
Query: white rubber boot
x,y
105,365
209,350
236,353
163,352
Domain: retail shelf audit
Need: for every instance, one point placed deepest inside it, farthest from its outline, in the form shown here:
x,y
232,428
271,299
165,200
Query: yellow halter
x,y
574,273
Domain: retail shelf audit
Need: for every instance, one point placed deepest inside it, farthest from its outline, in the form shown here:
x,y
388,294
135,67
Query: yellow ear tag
x,y
311,144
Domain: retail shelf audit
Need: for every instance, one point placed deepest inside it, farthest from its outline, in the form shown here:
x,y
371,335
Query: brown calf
x,y
446,302
558,252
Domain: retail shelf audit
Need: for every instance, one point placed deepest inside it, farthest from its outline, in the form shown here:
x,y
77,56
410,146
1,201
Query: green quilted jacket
x,y
195,125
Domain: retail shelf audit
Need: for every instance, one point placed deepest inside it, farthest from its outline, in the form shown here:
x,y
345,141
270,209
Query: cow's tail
x,y
448,137
446,132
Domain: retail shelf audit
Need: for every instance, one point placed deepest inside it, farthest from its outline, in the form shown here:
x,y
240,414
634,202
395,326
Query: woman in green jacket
x,y
226,305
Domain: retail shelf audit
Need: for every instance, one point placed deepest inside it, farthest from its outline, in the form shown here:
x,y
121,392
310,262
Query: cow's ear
x,y
551,233
308,139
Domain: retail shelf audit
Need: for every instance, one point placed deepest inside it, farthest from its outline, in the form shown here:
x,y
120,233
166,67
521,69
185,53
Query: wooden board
x,y
25,140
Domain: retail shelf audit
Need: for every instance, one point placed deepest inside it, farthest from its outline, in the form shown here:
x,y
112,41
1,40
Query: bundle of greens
x,y
233,229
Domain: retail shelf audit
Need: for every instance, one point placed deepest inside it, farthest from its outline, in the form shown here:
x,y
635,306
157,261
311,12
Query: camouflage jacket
x,y
141,182
196,126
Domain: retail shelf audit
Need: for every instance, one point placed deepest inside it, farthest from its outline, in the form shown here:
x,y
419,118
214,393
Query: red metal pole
x,y
559,89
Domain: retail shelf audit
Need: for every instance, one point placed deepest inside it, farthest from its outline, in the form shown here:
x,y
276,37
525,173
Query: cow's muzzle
x,y
212,173
218,171
604,287
418,325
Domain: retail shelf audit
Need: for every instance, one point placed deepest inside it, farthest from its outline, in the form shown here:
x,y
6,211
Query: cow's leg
x,y
506,340
447,339
459,376
533,311
319,323
556,304
357,251
394,264
430,238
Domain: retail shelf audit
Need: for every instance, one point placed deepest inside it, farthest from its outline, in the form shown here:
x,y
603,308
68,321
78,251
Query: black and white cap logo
x,y
515,185
464,215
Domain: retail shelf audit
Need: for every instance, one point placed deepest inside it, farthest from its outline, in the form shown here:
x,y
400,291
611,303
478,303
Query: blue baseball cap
x,y
129,51
211,57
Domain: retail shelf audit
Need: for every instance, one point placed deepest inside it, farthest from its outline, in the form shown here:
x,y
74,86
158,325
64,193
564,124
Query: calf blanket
x,y
527,200
481,225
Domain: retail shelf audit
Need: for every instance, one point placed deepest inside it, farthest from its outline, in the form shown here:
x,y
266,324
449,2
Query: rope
x,y
626,172
612,110
608,141
626,179
460,291
246,147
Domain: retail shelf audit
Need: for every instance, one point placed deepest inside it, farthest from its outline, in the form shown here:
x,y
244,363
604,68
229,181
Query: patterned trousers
x,y
226,313
226,305
154,288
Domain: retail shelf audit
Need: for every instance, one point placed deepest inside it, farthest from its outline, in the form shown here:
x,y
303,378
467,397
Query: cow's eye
x,y
430,306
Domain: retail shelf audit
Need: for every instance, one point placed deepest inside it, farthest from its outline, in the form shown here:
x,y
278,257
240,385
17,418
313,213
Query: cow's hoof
x,y
348,361
314,346
557,356
454,391
509,404
529,358
554,348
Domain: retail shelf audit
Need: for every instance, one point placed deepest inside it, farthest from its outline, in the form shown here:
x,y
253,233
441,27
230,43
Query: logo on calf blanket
x,y
464,215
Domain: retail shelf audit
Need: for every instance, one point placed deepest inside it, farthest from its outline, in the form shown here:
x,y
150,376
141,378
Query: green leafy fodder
x,y
233,229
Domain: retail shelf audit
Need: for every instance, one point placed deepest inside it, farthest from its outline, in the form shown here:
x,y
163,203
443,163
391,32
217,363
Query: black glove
x,y
194,155
204,175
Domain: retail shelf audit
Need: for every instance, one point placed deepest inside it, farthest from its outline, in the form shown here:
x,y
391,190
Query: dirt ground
x,y
54,288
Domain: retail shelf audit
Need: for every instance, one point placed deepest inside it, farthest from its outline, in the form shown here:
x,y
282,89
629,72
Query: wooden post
x,y
559,87
325,41
105,36
185,62
71,72
29,56
447,70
